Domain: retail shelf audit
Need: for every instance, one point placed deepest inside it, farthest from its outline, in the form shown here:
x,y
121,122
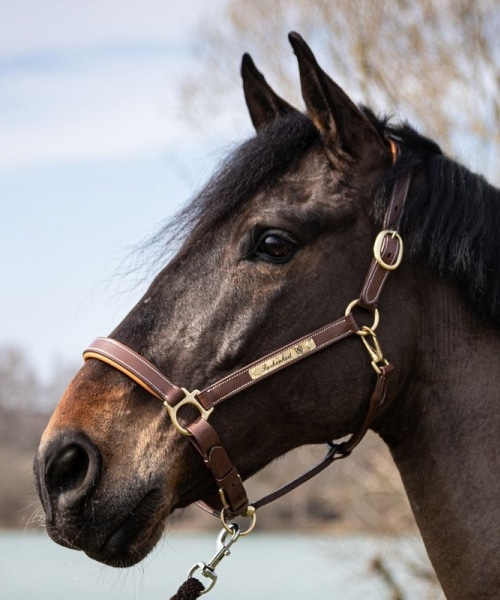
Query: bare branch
x,y
434,62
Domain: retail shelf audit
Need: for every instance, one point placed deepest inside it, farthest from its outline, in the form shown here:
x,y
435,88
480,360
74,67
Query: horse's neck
x,y
444,437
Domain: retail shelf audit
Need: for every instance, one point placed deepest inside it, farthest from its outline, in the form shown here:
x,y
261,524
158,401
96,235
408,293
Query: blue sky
x,y
93,157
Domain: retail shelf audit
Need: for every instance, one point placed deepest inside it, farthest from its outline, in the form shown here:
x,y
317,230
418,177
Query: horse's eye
x,y
274,246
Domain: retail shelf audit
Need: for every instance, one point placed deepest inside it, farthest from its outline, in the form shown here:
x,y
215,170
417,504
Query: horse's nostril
x,y
68,471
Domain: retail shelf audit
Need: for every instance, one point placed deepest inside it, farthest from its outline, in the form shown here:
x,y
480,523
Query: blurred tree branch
x,y
434,62
21,388
25,405
19,385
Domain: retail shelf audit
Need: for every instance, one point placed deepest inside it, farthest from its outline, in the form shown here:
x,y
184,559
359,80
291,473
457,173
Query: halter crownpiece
x,y
232,499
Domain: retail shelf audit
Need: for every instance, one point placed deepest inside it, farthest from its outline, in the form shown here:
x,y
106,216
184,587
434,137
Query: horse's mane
x,y
451,222
252,166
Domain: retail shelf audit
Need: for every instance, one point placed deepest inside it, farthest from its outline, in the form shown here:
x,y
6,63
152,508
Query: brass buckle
x,y
377,249
190,398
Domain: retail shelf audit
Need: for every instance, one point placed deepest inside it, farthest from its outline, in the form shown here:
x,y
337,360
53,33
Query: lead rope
x,y
191,589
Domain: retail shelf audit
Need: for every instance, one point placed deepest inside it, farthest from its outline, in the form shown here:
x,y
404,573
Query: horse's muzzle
x,y
67,470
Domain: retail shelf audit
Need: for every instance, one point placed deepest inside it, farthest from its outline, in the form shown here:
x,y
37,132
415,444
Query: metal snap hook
x,y
374,350
223,545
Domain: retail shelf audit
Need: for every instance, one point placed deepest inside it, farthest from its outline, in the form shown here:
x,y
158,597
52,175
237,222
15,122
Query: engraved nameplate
x,y
281,359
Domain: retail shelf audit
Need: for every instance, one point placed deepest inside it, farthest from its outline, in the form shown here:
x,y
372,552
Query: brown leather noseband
x,y
388,250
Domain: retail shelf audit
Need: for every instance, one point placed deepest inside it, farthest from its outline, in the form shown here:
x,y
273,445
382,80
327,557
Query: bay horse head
x,y
273,250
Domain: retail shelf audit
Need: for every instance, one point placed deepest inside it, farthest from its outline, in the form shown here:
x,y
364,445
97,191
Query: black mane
x,y
254,165
451,222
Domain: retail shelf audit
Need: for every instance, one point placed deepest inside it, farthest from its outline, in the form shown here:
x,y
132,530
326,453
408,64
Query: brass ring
x,y
249,513
376,316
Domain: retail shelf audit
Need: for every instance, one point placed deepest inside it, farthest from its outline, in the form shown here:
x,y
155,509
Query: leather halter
x,y
388,250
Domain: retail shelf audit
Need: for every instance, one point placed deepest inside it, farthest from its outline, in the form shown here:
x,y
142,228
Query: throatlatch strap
x,y
376,400
340,450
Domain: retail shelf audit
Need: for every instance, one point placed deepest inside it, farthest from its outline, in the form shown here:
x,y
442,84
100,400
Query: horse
x,y
276,246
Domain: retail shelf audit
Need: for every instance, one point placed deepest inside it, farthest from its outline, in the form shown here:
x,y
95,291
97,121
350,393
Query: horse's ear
x,y
339,121
263,103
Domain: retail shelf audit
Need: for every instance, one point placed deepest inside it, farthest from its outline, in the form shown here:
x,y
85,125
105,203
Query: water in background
x,y
267,566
